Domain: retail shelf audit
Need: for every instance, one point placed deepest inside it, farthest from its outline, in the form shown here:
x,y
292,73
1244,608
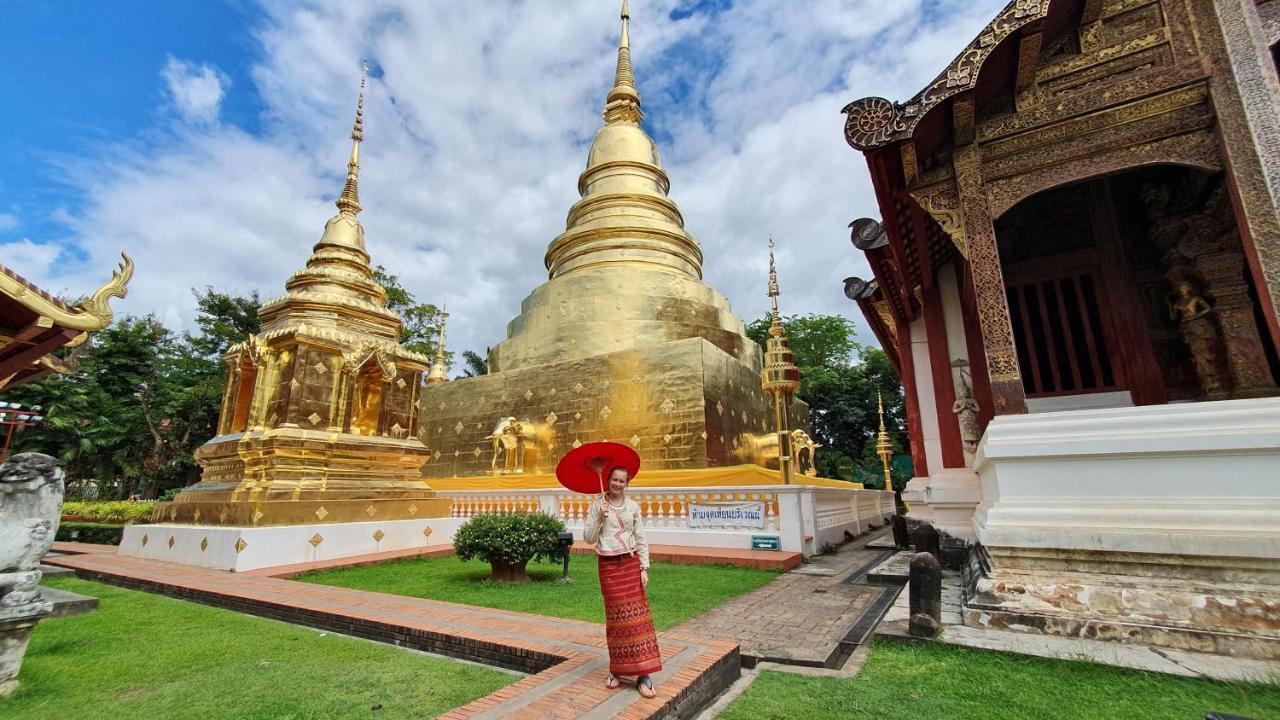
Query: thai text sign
x,y
737,515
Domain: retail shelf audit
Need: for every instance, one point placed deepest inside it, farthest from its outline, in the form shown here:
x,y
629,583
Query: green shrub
x,y
170,494
515,538
117,511
88,532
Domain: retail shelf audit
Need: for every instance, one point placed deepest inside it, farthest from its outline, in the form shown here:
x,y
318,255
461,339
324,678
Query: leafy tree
x,y
143,399
421,321
473,364
840,379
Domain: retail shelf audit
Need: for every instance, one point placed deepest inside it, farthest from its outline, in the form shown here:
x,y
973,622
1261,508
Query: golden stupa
x,y
624,342
319,415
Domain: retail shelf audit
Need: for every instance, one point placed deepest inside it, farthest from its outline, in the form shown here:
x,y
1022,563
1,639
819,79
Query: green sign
x,y
765,542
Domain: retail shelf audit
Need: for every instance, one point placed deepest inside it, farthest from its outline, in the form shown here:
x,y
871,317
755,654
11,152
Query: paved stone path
x,y
567,659
801,617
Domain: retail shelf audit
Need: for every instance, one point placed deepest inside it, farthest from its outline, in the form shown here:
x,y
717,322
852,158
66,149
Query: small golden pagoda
x,y
319,416
624,342
780,377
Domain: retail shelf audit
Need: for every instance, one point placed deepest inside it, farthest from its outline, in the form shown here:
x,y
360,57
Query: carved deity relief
x,y
1200,245
965,408
1200,333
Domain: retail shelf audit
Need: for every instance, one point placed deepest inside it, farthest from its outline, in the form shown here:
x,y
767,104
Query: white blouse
x,y
618,533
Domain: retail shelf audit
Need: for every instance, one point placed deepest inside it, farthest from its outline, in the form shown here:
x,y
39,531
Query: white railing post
x,y
809,521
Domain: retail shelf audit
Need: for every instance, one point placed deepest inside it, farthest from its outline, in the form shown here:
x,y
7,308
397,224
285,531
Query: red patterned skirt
x,y
628,626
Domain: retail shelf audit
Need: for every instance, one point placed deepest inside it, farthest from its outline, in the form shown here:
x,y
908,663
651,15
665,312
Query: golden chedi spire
x,y
439,373
623,102
884,446
624,216
349,201
336,291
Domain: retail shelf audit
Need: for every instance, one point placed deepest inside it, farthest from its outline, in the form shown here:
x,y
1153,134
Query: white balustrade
x,y
803,517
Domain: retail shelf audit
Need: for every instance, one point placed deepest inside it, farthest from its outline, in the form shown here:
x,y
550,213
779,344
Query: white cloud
x,y
31,260
8,222
476,129
196,90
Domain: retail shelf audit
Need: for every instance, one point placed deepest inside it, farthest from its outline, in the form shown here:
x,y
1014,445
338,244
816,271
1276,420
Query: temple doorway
x,y
1133,289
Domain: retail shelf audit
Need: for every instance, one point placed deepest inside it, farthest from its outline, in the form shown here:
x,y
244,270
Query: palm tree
x,y
474,363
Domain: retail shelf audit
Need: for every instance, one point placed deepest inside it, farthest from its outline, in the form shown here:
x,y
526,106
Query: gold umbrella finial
x,y
775,325
349,200
884,445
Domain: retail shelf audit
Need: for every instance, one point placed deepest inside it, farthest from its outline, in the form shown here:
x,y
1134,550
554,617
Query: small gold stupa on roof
x,y
624,341
319,415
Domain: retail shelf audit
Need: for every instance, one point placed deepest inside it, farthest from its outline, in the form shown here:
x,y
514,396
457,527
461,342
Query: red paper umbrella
x,y
583,468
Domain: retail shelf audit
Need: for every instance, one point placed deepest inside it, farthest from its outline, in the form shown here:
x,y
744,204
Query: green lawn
x,y
676,592
913,682
147,656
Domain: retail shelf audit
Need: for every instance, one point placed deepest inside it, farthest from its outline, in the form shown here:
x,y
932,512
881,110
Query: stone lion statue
x,y
30,507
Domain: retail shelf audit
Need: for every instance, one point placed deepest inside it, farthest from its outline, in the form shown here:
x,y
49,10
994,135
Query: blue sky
x,y
81,77
208,139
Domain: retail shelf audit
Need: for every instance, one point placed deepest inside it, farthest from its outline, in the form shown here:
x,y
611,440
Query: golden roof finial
x,y
775,326
623,102
439,373
349,200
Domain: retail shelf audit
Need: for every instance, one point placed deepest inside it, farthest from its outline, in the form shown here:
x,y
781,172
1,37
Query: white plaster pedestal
x,y
951,496
1159,524
250,548
913,494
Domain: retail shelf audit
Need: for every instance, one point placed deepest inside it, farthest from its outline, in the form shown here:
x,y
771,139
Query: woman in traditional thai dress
x,y
615,526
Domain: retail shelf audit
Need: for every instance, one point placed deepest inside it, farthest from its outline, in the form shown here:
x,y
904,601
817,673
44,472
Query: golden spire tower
x,y
439,372
884,446
623,341
779,377
319,415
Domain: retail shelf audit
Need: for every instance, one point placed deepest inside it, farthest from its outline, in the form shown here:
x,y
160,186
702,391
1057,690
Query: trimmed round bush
x,y
508,542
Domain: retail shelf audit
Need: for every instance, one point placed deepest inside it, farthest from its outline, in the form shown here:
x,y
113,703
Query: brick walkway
x,y
800,618
567,659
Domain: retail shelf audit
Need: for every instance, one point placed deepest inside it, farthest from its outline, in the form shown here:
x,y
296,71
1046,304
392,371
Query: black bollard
x,y
900,538
925,595
927,540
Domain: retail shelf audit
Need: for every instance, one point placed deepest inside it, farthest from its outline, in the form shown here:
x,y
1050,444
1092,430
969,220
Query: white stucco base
x,y
1154,524
913,494
1199,478
216,547
951,497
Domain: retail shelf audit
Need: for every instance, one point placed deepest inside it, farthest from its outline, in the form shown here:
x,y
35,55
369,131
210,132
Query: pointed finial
x,y
623,102
439,373
444,319
880,402
349,201
775,326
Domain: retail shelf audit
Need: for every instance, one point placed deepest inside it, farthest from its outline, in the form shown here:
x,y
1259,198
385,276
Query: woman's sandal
x,y
611,682
645,686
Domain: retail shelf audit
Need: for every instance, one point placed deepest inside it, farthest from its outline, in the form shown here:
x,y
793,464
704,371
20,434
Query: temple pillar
x,y
913,494
954,491
917,491
1223,274
1007,393
1246,95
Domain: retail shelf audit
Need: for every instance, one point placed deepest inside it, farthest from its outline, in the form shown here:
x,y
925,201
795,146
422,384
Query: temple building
x,y
1078,279
319,426
623,342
